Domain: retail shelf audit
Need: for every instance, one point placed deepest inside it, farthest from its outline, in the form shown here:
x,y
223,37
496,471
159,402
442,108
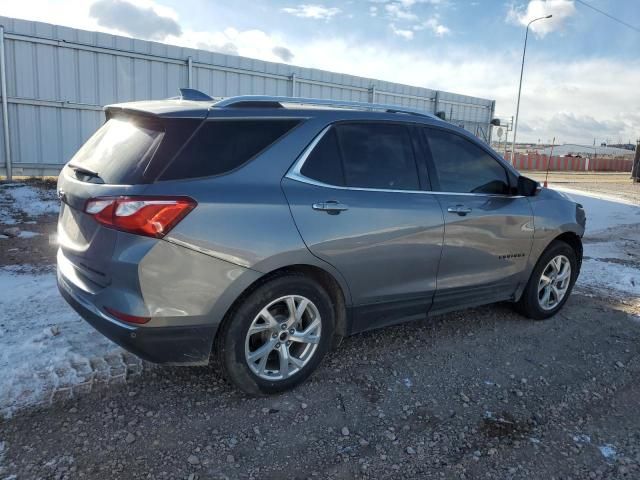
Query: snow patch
x,y
610,276
34,201
28,234
603,211
582,438
611,266
22,234
608,451
617,250
46,349
18,200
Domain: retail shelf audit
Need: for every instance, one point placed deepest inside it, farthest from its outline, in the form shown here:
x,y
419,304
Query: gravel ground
x,y
482,393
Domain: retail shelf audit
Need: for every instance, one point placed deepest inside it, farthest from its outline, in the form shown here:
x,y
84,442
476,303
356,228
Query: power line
x,y
608,15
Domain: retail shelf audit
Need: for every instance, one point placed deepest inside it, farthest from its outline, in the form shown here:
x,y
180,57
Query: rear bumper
x,y
184,345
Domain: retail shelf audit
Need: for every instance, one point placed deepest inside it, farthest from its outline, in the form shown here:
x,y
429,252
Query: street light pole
x,y
524,51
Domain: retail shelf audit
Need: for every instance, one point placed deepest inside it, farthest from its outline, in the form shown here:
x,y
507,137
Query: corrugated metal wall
x,y
59,78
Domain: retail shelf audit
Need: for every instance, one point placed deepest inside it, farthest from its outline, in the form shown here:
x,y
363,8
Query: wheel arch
x,y
523,303
573,240
570,237
331,285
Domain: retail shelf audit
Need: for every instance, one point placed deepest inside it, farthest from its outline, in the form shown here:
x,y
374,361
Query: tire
x,y
531,304
241,356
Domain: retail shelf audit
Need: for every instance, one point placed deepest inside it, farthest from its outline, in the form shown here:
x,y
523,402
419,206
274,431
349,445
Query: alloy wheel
x,y
554,282
283,337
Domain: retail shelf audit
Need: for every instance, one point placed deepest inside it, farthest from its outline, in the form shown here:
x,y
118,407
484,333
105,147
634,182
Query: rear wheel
x,y
551,282
277,336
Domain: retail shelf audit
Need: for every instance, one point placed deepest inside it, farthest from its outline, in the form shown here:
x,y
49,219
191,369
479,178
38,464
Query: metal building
x,y
58,79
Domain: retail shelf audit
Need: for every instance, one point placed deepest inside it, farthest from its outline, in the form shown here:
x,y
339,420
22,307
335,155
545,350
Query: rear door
x,y
359,200
488,229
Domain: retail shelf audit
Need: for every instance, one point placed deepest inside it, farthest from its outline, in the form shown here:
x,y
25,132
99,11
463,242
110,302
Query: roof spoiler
x,y
194,95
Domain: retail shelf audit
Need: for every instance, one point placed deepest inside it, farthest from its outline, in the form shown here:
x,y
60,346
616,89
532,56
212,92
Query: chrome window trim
x,y
294,173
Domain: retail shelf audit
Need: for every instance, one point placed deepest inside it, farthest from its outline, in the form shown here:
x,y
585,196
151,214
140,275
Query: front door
x,y
358,198
488,229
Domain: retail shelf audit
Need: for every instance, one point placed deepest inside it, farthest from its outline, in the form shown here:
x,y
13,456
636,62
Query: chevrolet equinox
x,y
260,231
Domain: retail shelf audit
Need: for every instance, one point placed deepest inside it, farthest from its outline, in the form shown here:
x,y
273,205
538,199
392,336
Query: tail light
x,y
148,216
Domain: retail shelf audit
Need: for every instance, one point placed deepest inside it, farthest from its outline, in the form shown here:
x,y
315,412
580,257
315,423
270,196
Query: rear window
x,y
220,146
120,151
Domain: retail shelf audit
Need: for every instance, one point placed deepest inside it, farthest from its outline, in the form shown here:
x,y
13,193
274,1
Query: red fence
x,y
535,161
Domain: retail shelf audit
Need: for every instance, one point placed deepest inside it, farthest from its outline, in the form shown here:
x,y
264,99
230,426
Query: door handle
x,y
331,207
461,210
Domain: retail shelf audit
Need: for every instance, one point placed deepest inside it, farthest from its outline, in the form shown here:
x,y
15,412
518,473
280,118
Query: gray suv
x,y
263,230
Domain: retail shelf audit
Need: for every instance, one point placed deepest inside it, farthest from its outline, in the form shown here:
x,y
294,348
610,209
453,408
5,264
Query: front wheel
x,y
277,336
551,282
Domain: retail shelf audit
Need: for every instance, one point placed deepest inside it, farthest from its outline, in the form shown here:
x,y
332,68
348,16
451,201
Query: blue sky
x,y
581,78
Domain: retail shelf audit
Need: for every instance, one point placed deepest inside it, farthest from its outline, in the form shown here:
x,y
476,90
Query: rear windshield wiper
x,y
86,175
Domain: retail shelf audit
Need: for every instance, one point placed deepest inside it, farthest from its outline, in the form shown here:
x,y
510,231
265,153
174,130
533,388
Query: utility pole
x,y
524,52
508,128
635,171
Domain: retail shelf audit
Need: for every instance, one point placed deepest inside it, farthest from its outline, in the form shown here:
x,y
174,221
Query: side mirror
x,y
527,186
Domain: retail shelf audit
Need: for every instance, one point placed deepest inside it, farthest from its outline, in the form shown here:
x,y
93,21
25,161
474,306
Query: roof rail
x,y
271,102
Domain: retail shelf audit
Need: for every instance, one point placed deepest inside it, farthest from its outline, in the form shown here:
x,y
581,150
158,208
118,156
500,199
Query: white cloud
x,y
400,11
127,17
560,9
75,13
433,24
406,34
557,100
373,11
570,125
247,43
317,12
72,13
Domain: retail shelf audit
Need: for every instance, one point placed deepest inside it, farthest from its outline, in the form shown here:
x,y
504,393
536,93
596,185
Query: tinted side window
x,y
377,155
220,146
176,133
324,163
464,167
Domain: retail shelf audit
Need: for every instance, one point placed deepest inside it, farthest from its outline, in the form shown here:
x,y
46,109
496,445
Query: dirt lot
x,y
479,394
482,393
617,184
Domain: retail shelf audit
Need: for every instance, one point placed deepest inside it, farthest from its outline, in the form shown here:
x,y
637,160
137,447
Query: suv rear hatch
x,y
126,154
